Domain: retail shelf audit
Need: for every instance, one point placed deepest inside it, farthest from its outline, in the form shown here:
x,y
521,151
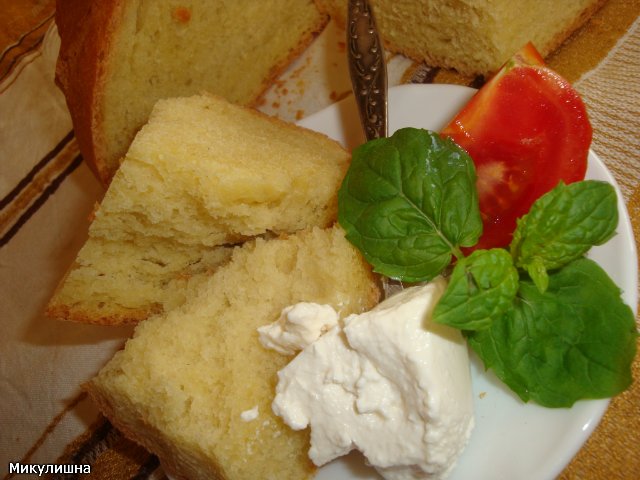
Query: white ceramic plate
x,y
511,440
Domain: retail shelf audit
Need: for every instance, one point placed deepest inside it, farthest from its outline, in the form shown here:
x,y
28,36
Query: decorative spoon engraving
x,y
368,68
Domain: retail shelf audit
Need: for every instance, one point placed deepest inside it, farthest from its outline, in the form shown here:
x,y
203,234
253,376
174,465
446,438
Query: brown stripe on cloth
x,y
37,185
110,455
50,428
28,28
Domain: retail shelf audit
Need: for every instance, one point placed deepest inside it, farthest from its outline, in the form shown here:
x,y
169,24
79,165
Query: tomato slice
x,y
526,130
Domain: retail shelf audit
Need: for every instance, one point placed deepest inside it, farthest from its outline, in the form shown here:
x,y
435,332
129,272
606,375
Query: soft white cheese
x,y
250,415
390,383
299,325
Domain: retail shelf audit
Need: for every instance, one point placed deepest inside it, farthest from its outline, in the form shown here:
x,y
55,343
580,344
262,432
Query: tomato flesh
x,y
526,130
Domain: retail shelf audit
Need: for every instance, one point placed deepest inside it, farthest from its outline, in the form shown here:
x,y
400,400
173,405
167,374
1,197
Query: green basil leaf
x,y
564,224
409,202
538,273
482,287
575,341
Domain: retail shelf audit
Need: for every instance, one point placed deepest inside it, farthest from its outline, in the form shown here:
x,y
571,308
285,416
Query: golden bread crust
x,y
90,33
86,30
199,178
466,69
70,313
571,28
474,37
171,461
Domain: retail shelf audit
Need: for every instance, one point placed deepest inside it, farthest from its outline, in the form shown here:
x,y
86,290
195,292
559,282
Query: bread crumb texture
x,y
182,382
475,37
200,177
119,57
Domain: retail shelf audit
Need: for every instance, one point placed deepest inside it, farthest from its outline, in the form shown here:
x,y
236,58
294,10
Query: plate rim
x,y
346,106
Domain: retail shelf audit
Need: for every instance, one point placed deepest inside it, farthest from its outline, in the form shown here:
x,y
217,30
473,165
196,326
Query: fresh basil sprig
x,y
575,341
481,288
409,202
550,323
562,226
565,334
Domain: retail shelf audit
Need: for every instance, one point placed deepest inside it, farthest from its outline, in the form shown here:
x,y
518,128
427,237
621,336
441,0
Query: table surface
x,y
46,205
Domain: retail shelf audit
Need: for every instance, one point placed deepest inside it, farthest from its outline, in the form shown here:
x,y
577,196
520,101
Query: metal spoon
x,y
367,68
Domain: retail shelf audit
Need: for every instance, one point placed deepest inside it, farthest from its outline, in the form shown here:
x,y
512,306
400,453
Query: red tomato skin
x,y
526,130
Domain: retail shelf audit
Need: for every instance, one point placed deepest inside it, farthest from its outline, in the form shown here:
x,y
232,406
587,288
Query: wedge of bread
x,y
203,175
118,57
475,37
195,385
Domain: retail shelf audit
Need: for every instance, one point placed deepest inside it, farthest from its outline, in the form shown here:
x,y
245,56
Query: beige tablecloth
x,y
47,195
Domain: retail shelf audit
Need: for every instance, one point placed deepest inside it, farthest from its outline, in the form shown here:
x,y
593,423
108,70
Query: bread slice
x,y
120,282
475,37
202,175
118,57
182,383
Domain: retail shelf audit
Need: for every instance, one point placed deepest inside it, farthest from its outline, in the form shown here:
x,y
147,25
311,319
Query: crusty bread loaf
x,y
203,174
118,57
182,383
474,37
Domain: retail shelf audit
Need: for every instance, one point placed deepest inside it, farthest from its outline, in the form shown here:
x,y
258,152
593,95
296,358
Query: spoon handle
x,y
367,68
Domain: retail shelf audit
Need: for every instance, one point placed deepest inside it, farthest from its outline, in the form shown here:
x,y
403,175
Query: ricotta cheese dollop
x,y
389,382
299,325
